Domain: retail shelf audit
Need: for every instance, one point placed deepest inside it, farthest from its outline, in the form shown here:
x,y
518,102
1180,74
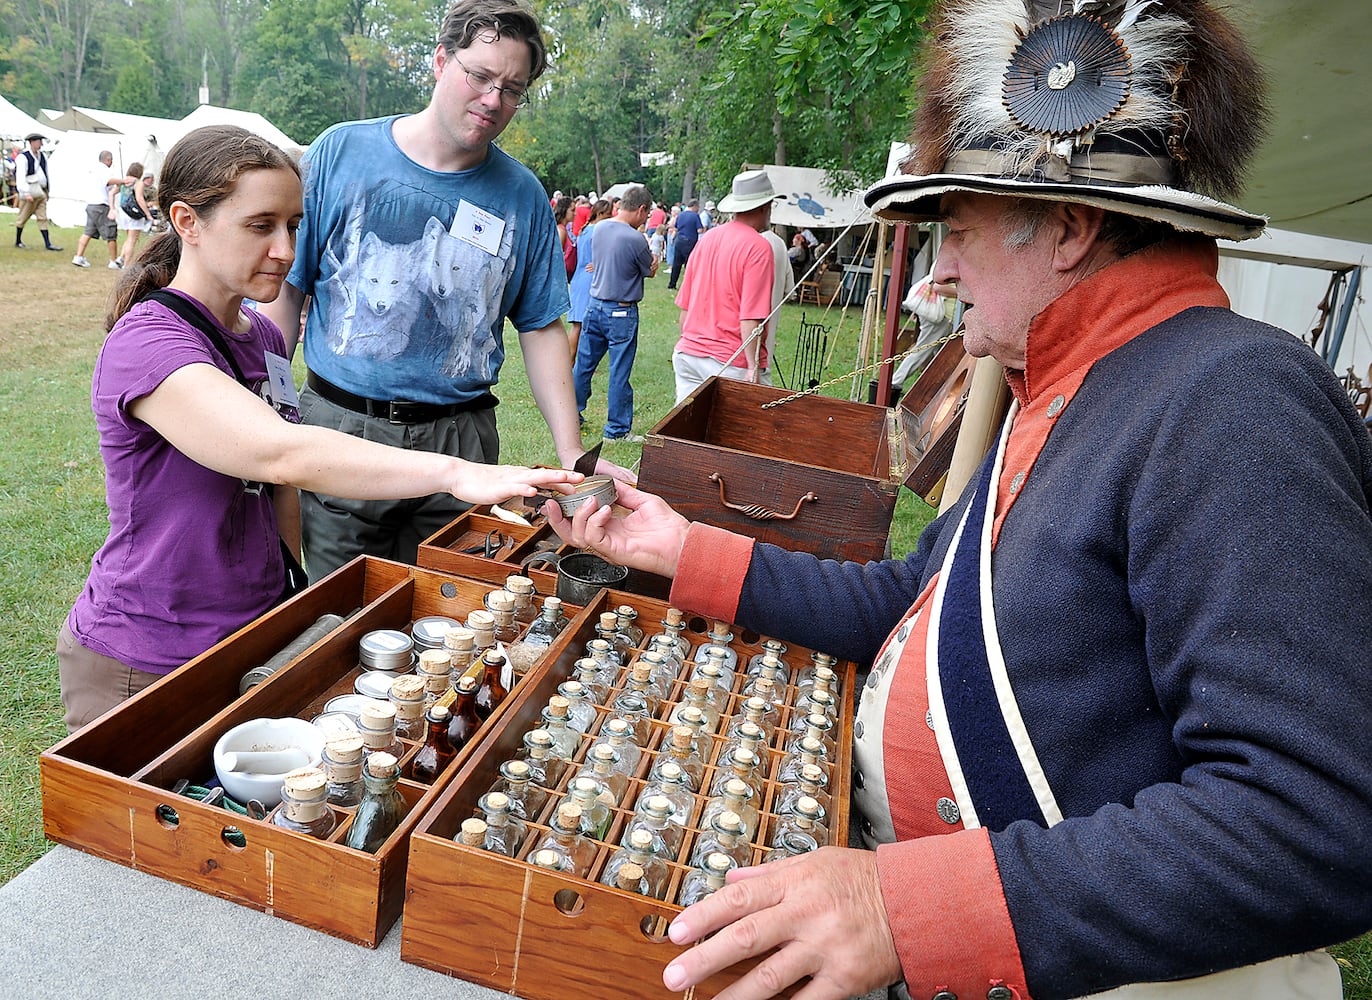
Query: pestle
x,y
265,761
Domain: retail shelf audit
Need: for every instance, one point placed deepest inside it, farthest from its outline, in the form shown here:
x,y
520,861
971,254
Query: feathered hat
x,y
1151,108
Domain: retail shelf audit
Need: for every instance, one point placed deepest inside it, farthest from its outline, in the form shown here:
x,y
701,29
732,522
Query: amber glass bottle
x,y
465,722
437,751
492,690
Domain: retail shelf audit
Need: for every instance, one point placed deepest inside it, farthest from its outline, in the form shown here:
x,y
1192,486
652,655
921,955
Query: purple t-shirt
x,y
192,555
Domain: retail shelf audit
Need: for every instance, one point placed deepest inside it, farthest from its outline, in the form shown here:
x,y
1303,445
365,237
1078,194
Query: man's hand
x,y
821,912
649,538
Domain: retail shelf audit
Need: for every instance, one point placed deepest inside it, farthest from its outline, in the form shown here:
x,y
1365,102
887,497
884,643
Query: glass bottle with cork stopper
x,y
805,815
435,672
724,832
736,796
706,879
548,625
716,667
407,698
472,833
571,852
580,710
721,635
681,750
665,673
617,734
601,766
438,751
776,649
464,723
743,764
382,807
516,781
747,736
501,605
696,701
304,803
607,629
594,803
670,782
806,677
504,829
460,643
342,762
674,627
655,817
812,781
636,867
761,712
566,740
808,751
545,767
482,624
588,674
632,707
640,682
626,627
494,687
522,589
376,723
769,668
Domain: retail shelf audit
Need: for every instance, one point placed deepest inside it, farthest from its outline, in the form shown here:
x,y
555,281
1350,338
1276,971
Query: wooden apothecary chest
x,y
816,474
107,788
538,934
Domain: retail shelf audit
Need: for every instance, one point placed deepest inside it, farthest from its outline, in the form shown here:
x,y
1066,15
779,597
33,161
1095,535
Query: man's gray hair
x,y
1125,233
468,20
634,198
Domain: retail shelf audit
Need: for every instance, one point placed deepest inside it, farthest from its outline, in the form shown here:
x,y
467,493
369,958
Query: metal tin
x,y
345,704
600,487
428,632
375,684
342,722
386,649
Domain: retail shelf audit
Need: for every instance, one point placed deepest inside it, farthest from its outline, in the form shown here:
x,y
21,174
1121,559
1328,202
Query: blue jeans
x,y
609,326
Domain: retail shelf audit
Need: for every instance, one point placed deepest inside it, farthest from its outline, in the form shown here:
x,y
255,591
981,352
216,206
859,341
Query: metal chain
x,y
858,371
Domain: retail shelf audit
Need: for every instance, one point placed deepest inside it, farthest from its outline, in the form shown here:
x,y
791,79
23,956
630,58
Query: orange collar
x,y
1113,306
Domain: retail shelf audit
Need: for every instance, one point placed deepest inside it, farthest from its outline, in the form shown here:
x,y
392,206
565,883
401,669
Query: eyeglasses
x,y
511,97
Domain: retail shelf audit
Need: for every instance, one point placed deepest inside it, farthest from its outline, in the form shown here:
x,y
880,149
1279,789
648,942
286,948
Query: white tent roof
x,y
810,202
210,114
164,131
15,124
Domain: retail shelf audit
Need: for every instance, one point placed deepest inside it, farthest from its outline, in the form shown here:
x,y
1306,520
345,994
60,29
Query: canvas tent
x,y
811,202
15,124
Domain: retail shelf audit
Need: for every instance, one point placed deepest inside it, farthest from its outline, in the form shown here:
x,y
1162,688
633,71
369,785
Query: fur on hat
x,y
1173,110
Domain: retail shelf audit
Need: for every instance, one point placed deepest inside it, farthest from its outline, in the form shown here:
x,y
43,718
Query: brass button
x,y
1054,408
948,810
1001,992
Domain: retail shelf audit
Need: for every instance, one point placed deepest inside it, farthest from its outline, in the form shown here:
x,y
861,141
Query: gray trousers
x,y
335,530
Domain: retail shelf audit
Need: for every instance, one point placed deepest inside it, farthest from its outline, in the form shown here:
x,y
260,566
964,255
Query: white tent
x,y
15,124
210,114
76,156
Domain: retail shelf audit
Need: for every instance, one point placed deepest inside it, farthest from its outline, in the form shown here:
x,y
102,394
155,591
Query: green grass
x,y
52,511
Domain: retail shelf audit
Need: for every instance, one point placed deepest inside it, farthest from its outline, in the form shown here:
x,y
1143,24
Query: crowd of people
x,y
1112,732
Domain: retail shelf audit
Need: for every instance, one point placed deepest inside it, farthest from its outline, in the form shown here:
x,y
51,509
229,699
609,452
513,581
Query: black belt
x,y
397,411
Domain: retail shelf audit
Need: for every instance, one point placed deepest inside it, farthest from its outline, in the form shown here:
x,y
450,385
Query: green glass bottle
x,y
382,806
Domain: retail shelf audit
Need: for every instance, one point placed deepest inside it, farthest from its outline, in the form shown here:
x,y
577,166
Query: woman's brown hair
x,y
201,169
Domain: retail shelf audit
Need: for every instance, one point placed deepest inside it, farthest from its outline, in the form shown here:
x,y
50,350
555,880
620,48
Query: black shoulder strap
x,y
188,312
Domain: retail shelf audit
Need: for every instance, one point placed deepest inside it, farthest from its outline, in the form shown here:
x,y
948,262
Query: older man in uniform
x,y
1113,742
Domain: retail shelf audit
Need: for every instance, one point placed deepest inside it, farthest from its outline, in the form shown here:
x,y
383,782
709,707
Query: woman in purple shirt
x,y
193,437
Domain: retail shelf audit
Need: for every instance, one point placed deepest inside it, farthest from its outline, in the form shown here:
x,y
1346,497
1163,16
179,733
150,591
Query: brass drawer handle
x,y
756,511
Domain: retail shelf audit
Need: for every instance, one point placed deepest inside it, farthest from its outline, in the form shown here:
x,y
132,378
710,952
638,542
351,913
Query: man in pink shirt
x,y
726,294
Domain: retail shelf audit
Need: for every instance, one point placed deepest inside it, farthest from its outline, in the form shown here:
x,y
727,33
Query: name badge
x,y
281,381
478,227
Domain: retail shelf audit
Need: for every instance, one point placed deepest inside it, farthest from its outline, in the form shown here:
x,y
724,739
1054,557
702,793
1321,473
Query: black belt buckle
x,y
407,411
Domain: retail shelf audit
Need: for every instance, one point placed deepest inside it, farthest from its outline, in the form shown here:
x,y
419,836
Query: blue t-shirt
x,y
400,307
688,227
622,261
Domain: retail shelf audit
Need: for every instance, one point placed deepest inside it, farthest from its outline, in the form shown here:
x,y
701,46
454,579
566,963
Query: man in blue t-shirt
x,y
688,229
420,238
622,261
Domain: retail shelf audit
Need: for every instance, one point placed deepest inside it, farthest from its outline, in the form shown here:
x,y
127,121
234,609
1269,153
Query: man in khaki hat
x,y
726,293
1113,741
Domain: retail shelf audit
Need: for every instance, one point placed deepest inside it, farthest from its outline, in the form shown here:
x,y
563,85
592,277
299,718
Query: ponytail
x,y
153,268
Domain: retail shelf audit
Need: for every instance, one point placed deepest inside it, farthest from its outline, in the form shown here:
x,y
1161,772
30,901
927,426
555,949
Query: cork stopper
x,y
438,715
729,821
552,605
629,876
625,613
546,858
584,785
718,863
653,658
617,729
691,716
823,659
540,738
717,653
681,738
736,788
459,639
641,840
824,678
821,697
557,707
473,832
744,759
700,686
479,620
345,749
774,646
642,672
764,688
609,621
519,584
466,684
569,815
818,721
750,731
434,662
807,806
516,770
756,705
604,752
675,618
811,773
571,690
408,687
382,765
811,745
495,801
671,771
770,662
304,783
601,646
721,631
377,715
500,602
658,804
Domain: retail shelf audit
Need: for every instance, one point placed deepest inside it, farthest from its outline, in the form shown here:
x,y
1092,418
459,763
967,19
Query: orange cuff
x,y
948,916
710,572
